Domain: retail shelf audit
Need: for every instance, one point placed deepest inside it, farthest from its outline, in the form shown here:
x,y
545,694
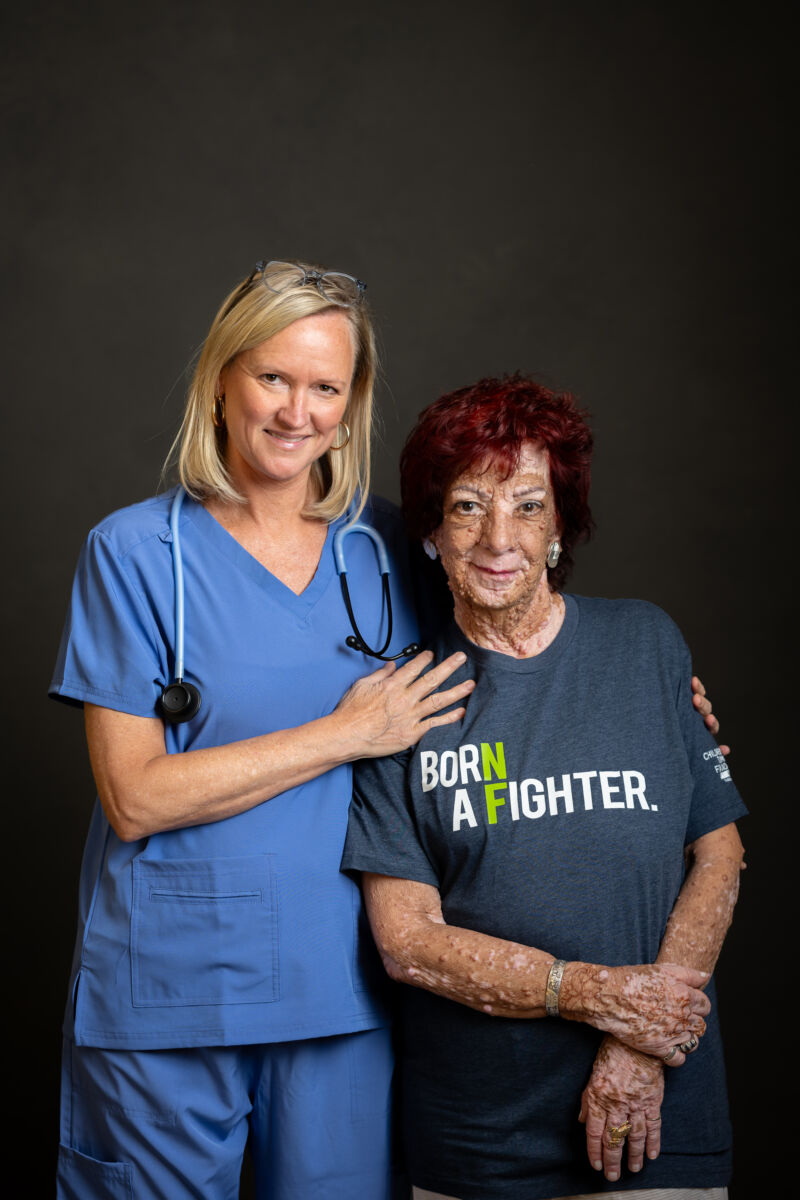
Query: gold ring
x,y
618,1133
671,1054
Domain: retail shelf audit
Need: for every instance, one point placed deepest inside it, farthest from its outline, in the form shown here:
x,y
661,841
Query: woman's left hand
x,y
625,1086
703,705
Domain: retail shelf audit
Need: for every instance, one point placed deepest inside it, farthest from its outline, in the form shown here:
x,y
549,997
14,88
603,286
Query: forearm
x,y
172,791
144,790
502,978
704,908
489,974
644,1005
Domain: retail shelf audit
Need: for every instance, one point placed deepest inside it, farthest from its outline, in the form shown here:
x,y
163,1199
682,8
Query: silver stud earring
x,y
553,554
429,548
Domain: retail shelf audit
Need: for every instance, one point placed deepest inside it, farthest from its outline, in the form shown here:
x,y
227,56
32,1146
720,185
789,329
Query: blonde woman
x,y
222,987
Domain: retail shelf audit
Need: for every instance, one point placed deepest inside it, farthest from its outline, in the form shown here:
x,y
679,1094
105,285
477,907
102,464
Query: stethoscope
x,y
356,640
180,701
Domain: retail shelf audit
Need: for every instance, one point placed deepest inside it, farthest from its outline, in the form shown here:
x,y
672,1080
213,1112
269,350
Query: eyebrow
x,y
267,368
526,490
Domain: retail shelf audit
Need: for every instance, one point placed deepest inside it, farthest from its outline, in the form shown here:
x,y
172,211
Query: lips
x,y
504,573
286,439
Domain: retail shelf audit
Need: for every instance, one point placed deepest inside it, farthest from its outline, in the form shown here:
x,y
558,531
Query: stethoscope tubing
x,y
177,567
180,701
356,640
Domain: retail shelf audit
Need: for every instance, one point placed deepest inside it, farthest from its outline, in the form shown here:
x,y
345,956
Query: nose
x,y
498,531
293,413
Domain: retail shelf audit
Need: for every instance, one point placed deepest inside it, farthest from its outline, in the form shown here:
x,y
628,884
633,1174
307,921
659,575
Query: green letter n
x,y
496,759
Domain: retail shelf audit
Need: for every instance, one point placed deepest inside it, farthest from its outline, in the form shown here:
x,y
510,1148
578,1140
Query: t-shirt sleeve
x,y
109,654
382,833
715,799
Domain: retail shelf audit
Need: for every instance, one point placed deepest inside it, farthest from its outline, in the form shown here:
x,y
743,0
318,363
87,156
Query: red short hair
x,y
488,422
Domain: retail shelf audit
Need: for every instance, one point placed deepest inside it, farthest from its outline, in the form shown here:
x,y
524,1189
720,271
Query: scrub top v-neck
x,y
240,930
299,603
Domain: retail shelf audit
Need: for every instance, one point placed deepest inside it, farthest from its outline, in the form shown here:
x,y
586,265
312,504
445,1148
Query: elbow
x,y
393,968
397,957
723,854
123,815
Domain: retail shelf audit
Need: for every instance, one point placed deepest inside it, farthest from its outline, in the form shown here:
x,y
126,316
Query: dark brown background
x,y
593,192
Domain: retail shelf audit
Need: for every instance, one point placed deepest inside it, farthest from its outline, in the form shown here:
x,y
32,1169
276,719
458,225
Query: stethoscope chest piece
x,y
179,702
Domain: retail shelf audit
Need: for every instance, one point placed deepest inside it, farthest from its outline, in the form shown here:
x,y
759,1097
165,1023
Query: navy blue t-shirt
x,y
555,815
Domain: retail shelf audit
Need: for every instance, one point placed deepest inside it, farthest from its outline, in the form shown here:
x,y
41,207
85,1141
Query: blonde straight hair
x,y
249,315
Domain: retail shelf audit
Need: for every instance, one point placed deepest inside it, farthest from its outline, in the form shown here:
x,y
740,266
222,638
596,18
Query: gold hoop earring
x,y
342,445
218,412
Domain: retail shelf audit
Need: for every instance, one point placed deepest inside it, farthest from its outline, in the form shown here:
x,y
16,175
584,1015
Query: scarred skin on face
x,y
493,542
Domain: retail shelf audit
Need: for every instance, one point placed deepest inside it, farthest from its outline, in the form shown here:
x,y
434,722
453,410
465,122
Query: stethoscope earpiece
x,y
179,702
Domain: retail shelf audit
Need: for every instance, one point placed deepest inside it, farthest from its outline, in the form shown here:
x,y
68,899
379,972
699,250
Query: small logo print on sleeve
x,y
720,766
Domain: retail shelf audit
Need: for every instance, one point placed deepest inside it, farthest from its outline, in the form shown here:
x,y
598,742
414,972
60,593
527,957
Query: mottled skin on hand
x,y
647,1007
694,936
624,1086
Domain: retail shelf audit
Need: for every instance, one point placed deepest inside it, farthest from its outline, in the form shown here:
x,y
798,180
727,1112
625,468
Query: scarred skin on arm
x,y
625,1085
648,1007
704,909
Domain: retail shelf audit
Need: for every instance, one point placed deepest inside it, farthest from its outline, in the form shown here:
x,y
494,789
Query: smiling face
x,y
495,535
284,399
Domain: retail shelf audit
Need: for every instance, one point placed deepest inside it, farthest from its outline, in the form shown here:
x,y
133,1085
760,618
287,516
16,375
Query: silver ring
x,y
671,1054
688,1047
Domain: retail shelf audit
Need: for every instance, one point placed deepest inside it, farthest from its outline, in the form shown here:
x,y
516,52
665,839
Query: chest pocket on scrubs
x,y
204,931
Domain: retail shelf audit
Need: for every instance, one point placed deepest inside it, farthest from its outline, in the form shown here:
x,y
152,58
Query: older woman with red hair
x,y
578,820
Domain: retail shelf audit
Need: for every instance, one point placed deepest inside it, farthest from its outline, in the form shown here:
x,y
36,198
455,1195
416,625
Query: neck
x,y
267,502
520,631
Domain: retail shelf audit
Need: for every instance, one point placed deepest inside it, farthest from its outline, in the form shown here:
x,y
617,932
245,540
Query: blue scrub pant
x,y
172,1124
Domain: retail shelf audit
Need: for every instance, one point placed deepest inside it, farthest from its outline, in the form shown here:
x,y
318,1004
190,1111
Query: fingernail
x,y
597,1164
612,1176
652,1154
638,1167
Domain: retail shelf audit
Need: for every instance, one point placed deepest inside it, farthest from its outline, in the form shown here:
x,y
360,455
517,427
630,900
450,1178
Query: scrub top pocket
x,y
204,931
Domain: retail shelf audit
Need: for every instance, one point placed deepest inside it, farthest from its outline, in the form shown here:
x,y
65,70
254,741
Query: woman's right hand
x,y
650,1008
391,709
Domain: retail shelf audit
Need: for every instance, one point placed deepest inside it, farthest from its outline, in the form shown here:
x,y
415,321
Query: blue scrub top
x,y
241,930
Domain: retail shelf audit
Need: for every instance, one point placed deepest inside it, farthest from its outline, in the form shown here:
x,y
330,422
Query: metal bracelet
x,y
553,986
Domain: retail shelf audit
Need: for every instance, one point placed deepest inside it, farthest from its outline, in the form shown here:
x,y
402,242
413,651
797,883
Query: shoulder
x,y
128,528
637,620
383,514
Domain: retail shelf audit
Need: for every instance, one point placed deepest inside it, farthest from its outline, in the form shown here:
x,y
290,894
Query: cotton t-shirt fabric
x,y
241,930
554,815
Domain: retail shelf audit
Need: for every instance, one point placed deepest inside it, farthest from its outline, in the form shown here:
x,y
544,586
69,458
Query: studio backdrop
x,y
590,193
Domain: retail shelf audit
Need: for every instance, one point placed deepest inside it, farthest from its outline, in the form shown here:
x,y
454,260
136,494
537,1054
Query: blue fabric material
x,y
172,1124
554,815
242,930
